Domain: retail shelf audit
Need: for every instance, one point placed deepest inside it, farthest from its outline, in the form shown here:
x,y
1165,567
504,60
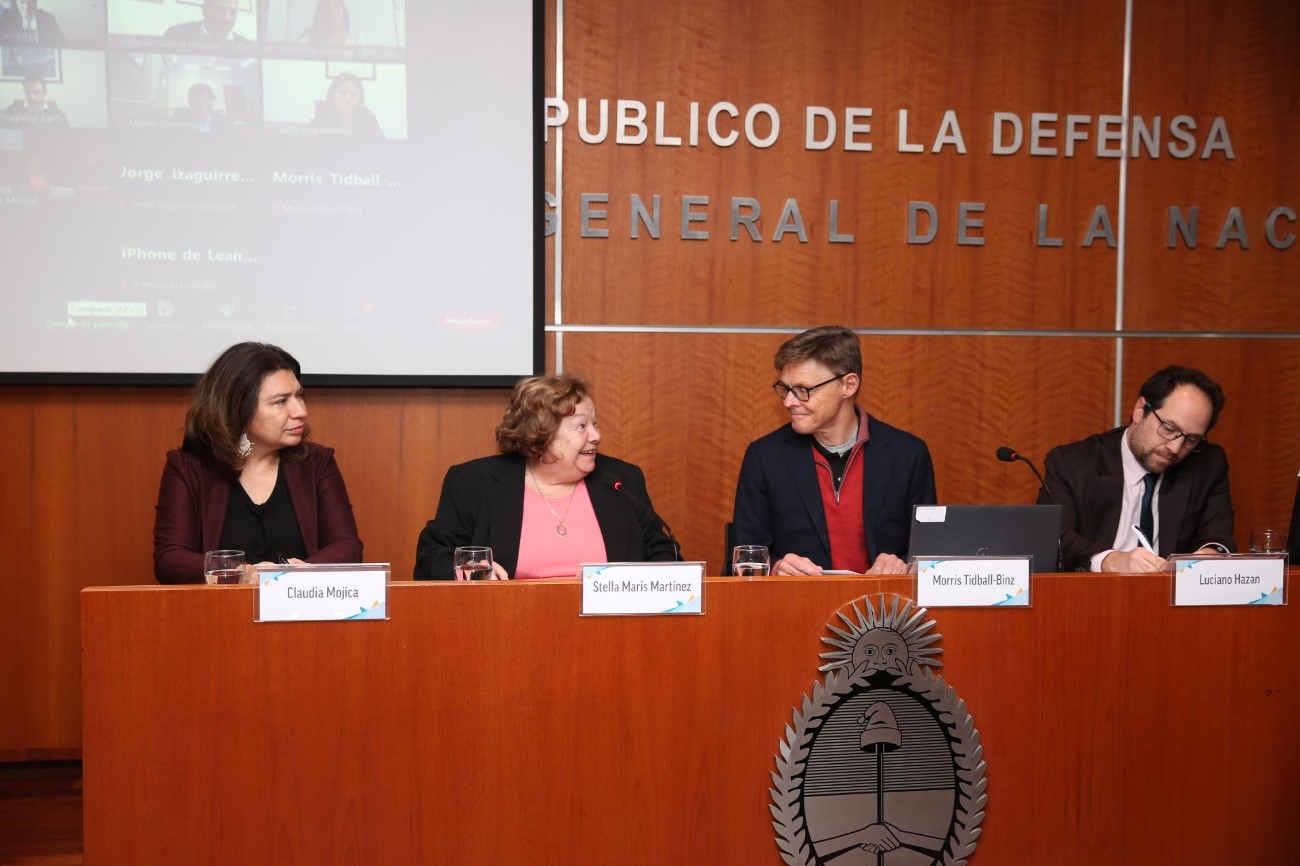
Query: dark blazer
x,y
1087,478
48,31
483,504
779,502
195,494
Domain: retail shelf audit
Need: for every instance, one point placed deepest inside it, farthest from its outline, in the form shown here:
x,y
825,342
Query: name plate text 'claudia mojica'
x,y
315,593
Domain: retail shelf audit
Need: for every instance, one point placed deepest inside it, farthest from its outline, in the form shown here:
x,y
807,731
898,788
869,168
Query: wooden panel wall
x,y
1005,343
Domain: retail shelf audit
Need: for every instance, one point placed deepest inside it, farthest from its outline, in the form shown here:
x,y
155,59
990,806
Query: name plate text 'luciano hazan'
x,y
1243,579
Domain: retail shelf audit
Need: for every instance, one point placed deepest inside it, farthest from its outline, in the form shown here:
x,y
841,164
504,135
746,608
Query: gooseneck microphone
x,y
609,479
1010,455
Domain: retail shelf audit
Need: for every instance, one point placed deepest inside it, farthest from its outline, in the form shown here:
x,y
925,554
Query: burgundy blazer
x,y
195,494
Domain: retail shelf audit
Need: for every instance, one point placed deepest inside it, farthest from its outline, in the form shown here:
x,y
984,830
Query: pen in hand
x,y
1142,539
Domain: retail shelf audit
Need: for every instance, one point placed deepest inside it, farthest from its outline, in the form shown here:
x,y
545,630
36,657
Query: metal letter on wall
x,y
882,764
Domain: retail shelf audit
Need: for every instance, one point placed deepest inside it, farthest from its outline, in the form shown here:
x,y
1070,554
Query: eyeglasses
x,y
802,393
1191,441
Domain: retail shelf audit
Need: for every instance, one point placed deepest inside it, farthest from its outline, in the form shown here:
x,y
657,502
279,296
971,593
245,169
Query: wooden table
x,y
489,723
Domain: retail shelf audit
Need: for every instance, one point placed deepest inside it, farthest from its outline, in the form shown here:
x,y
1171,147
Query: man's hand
x,y
794,565
887,563
1136,561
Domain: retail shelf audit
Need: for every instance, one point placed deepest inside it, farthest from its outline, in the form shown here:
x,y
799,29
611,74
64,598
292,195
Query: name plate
x,y
1236,579
640,588
973,581
316,593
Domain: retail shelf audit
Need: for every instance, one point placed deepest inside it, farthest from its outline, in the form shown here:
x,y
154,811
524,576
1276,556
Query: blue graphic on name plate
x,y
1274,597
376,611
1020,598
690,605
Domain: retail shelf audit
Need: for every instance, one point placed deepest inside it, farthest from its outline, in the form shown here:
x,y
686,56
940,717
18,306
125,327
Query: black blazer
x,y
1087,477
779,502
483,504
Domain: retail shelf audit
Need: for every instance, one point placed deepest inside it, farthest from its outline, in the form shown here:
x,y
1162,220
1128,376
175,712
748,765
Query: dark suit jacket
x,y
48,31
1087,478
483,504
195,494
779,502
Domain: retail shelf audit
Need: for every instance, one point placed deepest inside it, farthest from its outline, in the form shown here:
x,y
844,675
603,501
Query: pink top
x,y
542,553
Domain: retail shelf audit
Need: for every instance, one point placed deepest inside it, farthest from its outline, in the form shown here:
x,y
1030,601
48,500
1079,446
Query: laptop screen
x,y
989,530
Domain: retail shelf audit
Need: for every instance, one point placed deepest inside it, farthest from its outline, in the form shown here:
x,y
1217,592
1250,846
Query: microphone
x,y
1010,455
609,479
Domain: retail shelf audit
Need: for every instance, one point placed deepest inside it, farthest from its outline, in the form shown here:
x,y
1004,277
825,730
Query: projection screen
x,y
359,182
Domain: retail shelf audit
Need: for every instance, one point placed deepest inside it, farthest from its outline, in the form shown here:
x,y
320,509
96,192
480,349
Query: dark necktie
x,y
1147,520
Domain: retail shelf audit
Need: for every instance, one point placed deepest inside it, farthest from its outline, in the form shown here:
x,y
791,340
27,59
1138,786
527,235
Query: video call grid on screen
x,y
357,181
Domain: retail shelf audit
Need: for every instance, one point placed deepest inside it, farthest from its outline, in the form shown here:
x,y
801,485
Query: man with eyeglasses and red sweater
x,y
834,489
1140,493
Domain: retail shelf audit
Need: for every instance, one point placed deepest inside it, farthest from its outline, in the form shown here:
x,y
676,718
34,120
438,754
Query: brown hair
x,y
225,400
537,406
833,346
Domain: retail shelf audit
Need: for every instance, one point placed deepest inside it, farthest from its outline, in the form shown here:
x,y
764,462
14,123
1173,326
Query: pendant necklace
x,y
560,529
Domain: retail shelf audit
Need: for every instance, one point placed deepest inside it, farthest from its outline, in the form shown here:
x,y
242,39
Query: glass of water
x,y
1267,541
472,563
223,566
750,560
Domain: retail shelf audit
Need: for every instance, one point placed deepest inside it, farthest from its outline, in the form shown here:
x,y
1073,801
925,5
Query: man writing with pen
x,y
1138,494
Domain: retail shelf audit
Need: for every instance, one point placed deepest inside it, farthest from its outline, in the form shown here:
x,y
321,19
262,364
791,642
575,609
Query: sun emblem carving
x,y
897,639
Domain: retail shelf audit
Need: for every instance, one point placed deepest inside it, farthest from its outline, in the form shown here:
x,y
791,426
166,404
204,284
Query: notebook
x,y
989,530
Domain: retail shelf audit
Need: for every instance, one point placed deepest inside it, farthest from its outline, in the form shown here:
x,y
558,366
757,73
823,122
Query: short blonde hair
x,y
537,406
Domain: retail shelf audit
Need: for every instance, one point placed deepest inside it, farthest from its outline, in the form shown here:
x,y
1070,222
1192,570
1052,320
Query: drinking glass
x,y
750,560
1267,541
223,566
473,563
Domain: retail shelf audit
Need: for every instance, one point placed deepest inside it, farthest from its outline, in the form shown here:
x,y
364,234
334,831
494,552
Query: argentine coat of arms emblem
x,y
881,763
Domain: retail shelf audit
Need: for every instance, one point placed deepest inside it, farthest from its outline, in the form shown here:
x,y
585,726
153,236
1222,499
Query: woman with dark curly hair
x,y
533,503
246,478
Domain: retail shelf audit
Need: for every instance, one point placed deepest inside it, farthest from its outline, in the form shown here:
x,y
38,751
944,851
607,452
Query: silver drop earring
x,y
245,445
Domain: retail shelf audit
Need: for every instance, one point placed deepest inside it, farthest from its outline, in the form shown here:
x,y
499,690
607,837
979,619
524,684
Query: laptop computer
x,y
989,530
